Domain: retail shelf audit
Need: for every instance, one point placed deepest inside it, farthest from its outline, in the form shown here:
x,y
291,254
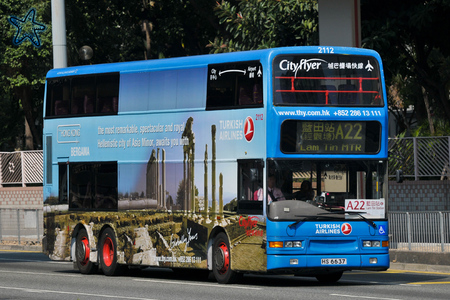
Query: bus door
x,y
250,255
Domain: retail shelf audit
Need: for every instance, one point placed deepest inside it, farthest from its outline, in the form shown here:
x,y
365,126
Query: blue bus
x,y
271,161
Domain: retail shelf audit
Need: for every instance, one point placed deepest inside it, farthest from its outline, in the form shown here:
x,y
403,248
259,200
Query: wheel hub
x,y
108,252
83,251
222,258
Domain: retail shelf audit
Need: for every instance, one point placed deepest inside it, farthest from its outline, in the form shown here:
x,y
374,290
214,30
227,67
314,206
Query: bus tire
x,y
82,253
329,278
222,260
108,253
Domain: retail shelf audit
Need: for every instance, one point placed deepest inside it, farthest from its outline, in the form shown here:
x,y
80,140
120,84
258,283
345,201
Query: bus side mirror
x,y
399,176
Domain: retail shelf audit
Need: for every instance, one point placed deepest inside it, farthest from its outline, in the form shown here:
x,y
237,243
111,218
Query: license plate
x,y
334,261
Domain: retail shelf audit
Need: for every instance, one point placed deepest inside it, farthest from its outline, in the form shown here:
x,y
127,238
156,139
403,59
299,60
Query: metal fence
x,y
420,157
21,226
21,168
420,231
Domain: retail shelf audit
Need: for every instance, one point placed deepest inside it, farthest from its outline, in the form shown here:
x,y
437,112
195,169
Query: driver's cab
x,y
325,184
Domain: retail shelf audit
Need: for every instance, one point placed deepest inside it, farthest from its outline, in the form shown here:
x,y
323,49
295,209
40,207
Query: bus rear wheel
x,y
329,278
82,253
222,259
108,254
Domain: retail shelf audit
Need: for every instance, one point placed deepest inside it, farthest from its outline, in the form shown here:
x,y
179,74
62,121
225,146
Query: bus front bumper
x,y
375,262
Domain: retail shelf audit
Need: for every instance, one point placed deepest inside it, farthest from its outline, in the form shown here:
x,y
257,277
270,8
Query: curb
x,y
27,248
422,268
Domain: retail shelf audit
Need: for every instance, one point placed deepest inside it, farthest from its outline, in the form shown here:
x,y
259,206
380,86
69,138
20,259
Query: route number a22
x,y
355,205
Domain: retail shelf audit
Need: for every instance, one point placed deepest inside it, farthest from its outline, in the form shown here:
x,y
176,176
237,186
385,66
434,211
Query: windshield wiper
x,y
370,222
309,218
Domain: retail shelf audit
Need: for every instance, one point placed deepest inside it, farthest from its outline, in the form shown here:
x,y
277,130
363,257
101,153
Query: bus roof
x,y
200,60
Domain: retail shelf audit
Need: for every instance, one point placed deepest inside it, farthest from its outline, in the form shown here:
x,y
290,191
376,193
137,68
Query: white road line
x,y
363,297
48,274
199,284
28,290
36,260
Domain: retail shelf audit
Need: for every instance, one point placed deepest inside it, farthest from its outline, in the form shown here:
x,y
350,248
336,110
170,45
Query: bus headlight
x,y
293,244
372,244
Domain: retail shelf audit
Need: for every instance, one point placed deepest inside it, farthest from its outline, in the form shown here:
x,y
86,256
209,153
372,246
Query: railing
x,y
21,168
420,157
420,231
21,226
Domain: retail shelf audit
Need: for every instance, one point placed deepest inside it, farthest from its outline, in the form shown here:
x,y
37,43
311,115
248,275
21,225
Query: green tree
x,y
411,38
125,31
257,24
111,28
23,68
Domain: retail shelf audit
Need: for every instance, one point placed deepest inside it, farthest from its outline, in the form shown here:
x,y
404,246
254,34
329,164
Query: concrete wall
x,y
413,196
21,217
21,197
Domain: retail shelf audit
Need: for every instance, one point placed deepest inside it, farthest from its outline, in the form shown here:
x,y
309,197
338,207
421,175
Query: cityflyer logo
x,y
346,228
303,65
249,129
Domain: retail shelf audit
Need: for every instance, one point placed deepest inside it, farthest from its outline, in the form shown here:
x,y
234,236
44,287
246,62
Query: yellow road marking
x,y
21,251
417,272
431,282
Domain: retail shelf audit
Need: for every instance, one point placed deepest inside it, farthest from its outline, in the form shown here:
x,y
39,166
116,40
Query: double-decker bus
x,y
270,161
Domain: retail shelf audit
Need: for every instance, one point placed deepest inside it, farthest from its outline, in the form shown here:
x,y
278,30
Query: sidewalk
x,y
27,248
419,267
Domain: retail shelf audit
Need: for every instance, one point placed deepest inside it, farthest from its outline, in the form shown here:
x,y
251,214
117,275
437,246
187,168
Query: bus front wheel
x,y
82,253
108,255
222,259
329,278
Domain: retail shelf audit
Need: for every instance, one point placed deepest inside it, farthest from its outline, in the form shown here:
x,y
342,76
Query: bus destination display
x,y
330,137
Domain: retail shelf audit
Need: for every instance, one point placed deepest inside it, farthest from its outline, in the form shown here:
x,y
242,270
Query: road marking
x,y
49,274
21,251
36,260
418,272
428,282
28,290
199,284
363,297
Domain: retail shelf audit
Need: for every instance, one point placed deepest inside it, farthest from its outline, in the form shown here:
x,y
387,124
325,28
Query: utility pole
x,y
59,34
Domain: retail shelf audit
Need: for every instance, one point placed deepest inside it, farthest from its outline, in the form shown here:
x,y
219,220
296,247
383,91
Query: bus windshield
x,y
320,188
337,80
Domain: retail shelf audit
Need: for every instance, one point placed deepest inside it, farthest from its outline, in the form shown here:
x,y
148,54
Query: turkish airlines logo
x,y
249,129
346,228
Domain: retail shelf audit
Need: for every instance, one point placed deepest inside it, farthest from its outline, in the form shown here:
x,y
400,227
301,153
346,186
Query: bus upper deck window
x,y
235,85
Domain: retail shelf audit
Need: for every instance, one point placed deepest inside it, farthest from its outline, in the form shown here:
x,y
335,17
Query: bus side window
x,y
88,105
245,96
257,94
61,107
250,187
